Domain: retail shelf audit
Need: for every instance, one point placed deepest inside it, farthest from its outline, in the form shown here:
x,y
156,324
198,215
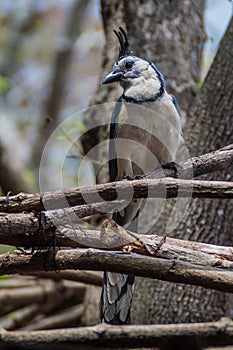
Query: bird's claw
x,y
131,177
139,177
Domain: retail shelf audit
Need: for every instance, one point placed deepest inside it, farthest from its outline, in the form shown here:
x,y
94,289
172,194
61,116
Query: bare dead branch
x,y
202,165
197,166
209,333
21,317
157,188
65,317
178,262
172,270
114,237
46,292
23,296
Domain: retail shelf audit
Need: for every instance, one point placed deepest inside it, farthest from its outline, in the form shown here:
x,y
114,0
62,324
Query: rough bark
x,y
114,237
105,336
38,229
36,223
180,271
112,14
208,126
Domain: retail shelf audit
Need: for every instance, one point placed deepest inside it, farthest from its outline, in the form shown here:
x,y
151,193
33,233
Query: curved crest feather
x,y
124,43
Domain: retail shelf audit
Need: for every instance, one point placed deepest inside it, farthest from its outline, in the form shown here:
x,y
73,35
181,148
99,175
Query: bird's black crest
x,y
124,43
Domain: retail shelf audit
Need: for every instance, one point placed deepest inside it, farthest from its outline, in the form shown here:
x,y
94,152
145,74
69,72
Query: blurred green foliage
x,y
3,84
199,84
6,249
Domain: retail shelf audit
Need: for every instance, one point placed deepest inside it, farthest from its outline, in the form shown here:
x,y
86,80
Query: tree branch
x,y
72,30
168,188
65,317
173,270
33,225
202,165
177,261
112,236
46,292
86,277
41,230
208,333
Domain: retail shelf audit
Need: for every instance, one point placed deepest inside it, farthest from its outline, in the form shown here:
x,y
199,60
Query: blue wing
x,y
175,103
113,134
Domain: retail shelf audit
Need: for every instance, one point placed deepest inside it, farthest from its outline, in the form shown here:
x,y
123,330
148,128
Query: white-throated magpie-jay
x,y
145,133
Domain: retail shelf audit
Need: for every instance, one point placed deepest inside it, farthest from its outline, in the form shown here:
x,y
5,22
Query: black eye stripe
x,y
129,64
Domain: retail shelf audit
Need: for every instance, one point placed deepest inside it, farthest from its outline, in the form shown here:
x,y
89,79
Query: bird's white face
x,y
132,67
135,74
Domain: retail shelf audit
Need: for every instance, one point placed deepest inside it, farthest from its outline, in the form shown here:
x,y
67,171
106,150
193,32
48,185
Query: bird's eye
x,y
129,64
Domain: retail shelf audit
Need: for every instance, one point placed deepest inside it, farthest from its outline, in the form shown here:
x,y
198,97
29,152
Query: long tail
x,y
116,298
117,291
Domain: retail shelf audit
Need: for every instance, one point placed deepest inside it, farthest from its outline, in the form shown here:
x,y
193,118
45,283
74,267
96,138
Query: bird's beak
x,y
112,77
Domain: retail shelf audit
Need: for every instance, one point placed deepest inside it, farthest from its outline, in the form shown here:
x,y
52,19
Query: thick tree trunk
x,y
168,33
208,126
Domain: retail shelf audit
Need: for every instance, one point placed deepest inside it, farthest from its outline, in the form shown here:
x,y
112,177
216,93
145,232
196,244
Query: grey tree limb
x,y
146,336
217,275
46,293
32,228
86,277
65,317
196,166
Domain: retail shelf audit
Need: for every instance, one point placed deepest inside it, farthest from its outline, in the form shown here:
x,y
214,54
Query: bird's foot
x,y
176,168
131,177
139,177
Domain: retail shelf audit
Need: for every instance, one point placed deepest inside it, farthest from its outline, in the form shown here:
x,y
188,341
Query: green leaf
x,y
81,127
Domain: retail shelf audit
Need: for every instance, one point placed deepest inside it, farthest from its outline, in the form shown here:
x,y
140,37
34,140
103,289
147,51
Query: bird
x,y
145,134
